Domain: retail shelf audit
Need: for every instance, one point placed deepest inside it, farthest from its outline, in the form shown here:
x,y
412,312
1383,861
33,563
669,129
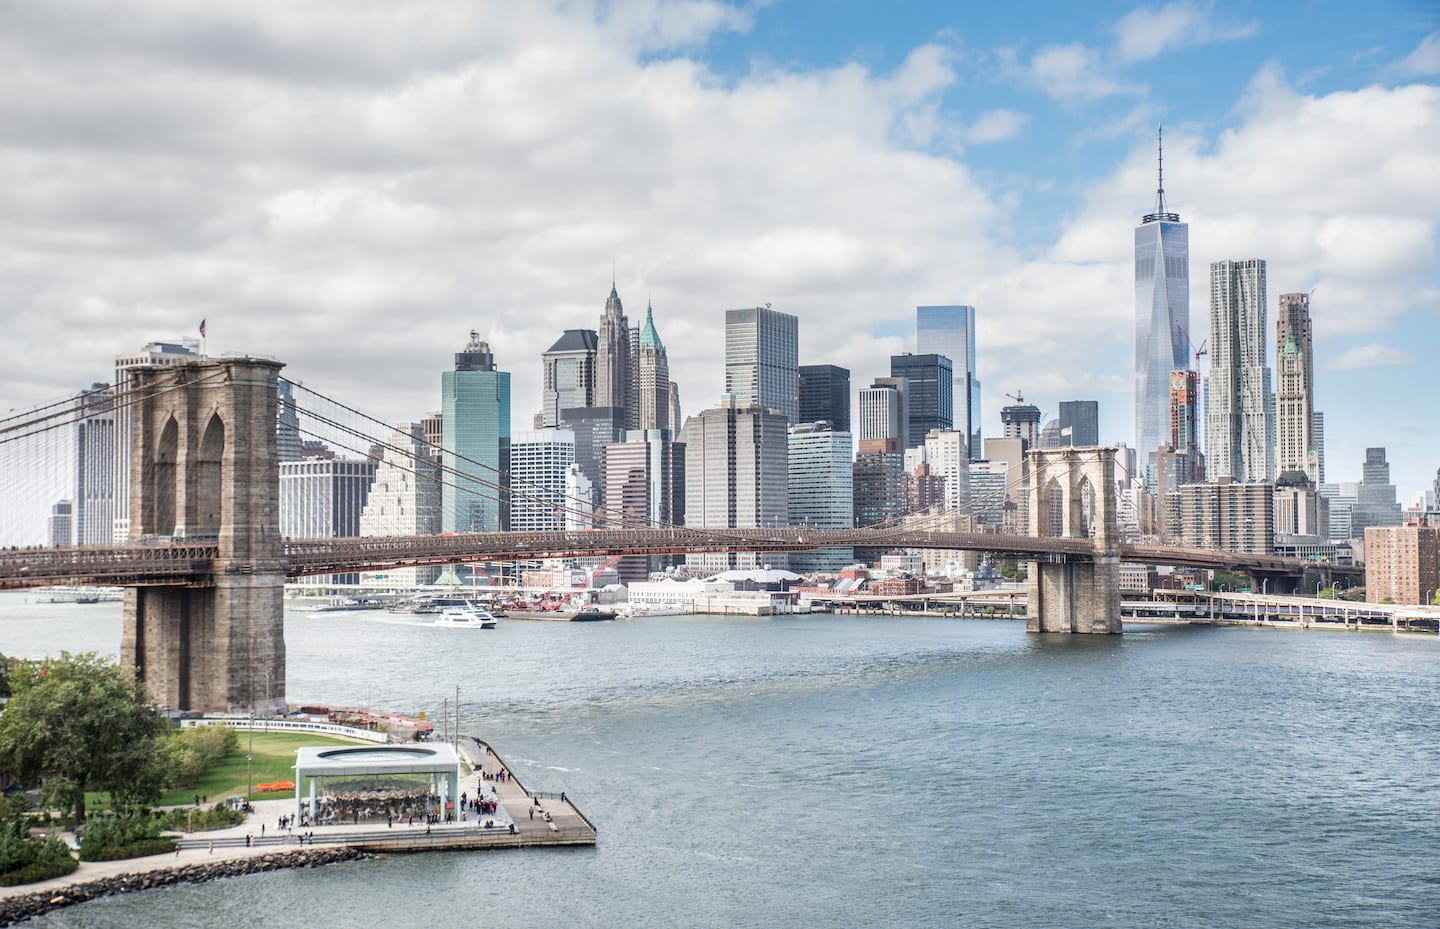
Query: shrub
x,y
123,835
189,819
31,860
23,859
189,753
133,850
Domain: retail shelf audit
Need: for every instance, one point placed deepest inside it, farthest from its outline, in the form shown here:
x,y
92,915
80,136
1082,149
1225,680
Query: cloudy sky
x,y
351,187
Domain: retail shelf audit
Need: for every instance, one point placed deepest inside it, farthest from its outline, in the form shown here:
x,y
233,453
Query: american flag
x,y
202,328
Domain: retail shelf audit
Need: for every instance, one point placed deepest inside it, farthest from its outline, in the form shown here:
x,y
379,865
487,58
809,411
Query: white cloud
x,y
1075,73
356,208
660,25
996,125
364,218
1373,355
1147,32
1425,60
1329,188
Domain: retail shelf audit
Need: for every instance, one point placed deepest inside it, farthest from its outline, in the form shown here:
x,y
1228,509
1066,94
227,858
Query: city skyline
x,y
984,181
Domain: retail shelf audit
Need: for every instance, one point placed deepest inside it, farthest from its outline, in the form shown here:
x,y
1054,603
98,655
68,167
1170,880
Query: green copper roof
x,y
649,338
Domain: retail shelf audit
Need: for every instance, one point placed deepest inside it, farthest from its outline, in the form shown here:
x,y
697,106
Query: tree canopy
x,y
82,723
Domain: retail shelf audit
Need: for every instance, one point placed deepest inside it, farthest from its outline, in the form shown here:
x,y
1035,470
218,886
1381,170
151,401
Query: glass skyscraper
x,y
736,467
820,493
1162,317
569,374
929,393
1082,418
950,331
825,395
475,401
762,359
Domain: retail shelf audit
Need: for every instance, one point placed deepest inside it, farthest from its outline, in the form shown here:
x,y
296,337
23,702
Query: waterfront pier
x,y
540,819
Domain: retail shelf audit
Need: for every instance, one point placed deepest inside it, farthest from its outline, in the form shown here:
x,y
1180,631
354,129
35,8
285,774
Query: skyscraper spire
x,y
1161,214
1160,153
614,366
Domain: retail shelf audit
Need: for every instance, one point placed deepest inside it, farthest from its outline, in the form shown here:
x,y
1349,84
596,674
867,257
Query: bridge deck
x,y
193,562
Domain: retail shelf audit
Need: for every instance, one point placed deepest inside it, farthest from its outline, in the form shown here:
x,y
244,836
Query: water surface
x,y
799,772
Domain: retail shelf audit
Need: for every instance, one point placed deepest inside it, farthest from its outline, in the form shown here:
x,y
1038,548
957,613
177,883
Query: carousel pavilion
x,y
335,785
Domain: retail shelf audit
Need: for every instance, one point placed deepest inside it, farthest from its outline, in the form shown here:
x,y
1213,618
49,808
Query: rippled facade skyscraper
x,y
1240,405
1162,317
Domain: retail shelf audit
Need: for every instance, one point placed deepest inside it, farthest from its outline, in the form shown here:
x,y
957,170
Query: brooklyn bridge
x,y
205,566
191,562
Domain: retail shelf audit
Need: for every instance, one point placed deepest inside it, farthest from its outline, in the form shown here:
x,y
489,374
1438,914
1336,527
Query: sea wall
x,y
22,907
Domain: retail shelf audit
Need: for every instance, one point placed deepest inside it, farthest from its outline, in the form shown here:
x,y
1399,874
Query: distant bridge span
x,y
196,562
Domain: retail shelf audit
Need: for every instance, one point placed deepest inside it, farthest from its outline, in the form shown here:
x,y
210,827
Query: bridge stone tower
x,y
1072,496
204,466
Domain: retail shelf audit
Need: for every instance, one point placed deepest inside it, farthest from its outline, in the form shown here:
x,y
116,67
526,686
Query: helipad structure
x,y
438,767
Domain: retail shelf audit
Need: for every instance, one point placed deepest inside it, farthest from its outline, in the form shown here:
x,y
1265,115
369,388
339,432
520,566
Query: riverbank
x,y
91,883
523,818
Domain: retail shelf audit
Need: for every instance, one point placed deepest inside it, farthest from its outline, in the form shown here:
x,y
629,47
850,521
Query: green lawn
x,y
274,761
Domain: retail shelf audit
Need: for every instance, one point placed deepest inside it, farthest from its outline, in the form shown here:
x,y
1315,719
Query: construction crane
x,y
1018,396
1195,352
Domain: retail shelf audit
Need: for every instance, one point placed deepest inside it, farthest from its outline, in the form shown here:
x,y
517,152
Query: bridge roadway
x,y
195,563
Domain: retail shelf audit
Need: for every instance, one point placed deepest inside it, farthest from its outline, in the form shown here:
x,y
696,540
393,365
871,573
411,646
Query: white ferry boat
x,y
472,617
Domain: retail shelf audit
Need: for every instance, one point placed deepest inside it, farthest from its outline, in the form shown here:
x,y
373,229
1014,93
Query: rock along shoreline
x,y
23,906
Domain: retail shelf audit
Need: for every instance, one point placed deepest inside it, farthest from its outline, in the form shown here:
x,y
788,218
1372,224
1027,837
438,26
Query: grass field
x,y
274,761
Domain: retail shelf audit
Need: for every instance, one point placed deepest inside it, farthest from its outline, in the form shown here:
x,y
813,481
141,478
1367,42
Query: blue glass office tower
x,y
475,399
1162,318
950,331
929,394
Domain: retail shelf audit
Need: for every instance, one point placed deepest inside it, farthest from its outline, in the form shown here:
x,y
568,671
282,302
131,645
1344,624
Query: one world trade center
x,y
1162,319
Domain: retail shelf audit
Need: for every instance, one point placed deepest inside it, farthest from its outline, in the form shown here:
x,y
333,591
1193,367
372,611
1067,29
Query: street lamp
x,y
250,752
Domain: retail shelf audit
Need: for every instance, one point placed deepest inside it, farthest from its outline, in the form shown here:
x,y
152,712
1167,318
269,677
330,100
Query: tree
x,y
8,666
82,723
1223,579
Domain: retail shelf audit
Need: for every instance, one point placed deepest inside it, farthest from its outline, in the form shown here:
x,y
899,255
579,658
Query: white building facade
x,y
404,499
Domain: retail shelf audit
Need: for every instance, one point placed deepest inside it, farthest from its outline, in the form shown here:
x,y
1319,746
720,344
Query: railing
x,y
262,724
532,794
397,837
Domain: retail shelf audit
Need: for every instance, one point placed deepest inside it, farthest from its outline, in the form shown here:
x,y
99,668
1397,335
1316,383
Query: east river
x,y
856,772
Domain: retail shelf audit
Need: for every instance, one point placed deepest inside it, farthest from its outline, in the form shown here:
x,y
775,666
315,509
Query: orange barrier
x,y
275,785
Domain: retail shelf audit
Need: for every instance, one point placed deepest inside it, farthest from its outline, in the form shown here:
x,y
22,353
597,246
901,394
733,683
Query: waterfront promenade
x,y
539,819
